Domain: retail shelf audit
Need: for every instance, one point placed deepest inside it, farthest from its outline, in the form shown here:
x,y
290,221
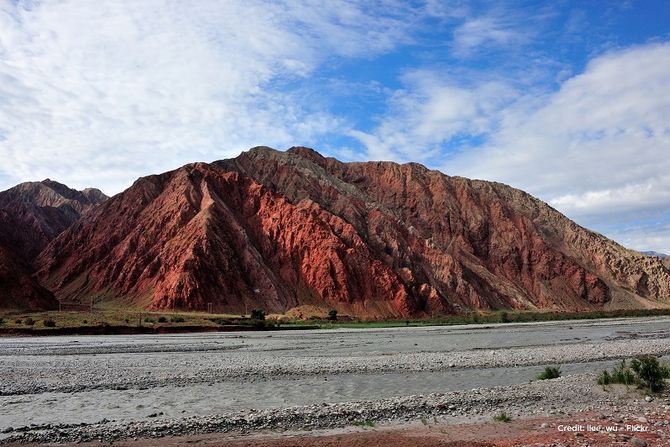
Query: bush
x,y
148,320
49,323
332,315
503,317
645,371
549,372
364,423
258,314
28,321
502,417
162,319
2,321
18,321
177,319
604,378
650,373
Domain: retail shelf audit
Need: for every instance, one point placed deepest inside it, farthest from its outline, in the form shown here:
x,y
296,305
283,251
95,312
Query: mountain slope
x,y
281,229
37,212
18,289
31,215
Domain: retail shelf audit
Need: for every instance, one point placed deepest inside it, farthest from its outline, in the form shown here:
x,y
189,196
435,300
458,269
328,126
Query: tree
x,y
258,314
332,315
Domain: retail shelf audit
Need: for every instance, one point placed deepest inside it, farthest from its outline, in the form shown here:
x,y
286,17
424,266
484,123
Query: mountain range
x,y
280,230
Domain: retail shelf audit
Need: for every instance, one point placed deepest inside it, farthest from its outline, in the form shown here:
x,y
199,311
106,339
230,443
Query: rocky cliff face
x,y
19,289
281,229
34,213
31,215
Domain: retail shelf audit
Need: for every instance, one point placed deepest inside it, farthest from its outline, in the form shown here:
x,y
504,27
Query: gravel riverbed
x,y
32,368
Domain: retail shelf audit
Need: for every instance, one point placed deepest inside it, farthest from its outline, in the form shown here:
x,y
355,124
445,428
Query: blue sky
x,y
566,100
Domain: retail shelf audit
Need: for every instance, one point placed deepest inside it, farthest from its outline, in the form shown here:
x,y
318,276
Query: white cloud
x,y
488,30
598,149
433,109
98,93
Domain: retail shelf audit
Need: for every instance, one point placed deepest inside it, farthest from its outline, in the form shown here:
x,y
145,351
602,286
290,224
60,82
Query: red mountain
x,y
40,211
31,215
281,229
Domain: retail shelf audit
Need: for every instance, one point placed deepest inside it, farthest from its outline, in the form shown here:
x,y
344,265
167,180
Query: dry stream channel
x,y
85,379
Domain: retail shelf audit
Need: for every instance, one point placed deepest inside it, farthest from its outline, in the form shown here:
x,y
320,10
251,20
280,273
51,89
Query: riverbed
x,y
86,379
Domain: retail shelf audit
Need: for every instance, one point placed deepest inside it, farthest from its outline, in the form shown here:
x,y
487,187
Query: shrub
x,y
177,319
503,317
49,323
650,373
162,319
623,374
604,378
18,321
332,315
645,371
258,314
127,320
549,372
28,321
85,322
502,417
2,321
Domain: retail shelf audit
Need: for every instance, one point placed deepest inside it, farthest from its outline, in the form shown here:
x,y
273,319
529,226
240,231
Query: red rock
x,y
19,289
283,229
33,213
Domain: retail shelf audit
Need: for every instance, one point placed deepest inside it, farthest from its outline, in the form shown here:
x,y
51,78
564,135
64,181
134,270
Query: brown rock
x,y
282,229
34,213
19,289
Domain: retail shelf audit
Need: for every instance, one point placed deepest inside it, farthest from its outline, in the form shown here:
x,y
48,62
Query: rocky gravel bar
x,y
562,396
33,371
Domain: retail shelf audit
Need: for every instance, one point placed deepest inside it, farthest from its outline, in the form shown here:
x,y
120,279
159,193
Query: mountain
x,y
31,215
655,254
19,289
279,230
37,212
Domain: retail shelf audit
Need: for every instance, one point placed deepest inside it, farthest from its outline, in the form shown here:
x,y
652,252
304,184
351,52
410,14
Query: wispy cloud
x,y
595,148
102,92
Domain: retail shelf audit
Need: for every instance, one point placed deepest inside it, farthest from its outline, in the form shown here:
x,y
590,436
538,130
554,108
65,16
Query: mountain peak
x,y
372,239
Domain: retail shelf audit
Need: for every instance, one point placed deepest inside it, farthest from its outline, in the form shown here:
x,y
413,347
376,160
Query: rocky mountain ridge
x,y
31,215
376,239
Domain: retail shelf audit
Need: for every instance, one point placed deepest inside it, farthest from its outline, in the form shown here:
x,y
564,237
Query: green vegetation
x,y
2,321
502,417
49,323
364,423
258,314
645,371
108,314
162,319
550,372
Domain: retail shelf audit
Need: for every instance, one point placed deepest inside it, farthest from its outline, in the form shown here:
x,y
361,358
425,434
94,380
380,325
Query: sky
x,y
568,100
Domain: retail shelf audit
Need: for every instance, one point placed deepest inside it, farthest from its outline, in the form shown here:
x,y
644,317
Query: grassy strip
x,y
491,318
129,317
